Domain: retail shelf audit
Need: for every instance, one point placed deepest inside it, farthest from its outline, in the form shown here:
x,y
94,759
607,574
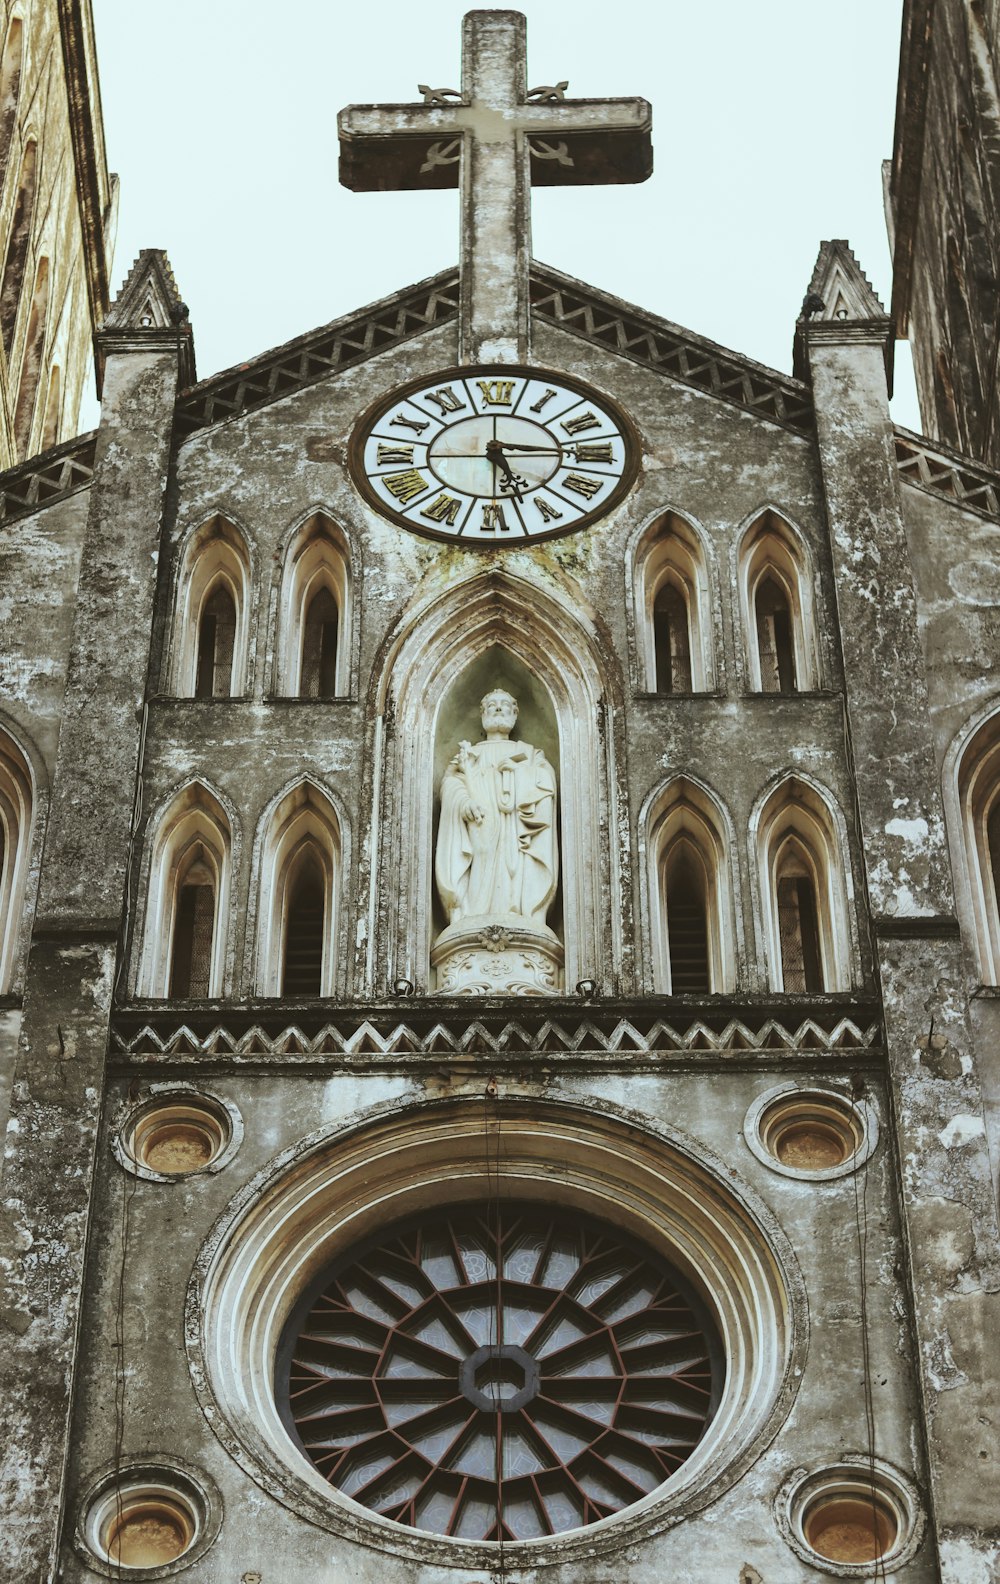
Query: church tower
x,y
57,219
500,932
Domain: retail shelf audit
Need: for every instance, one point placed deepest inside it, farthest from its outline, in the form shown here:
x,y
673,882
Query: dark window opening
x,y
672,640
993,844
303,968
687,927
798,929
216,643
194,929
319,647
17,248
774,638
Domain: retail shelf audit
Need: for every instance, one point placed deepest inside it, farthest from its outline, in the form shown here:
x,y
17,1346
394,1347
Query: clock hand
x,y
494,450
512,445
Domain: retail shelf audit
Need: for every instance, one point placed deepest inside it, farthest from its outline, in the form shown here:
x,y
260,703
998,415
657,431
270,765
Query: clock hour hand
x,y
495,452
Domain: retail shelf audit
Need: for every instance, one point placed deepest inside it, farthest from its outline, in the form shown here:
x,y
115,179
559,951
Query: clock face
x,y
494,455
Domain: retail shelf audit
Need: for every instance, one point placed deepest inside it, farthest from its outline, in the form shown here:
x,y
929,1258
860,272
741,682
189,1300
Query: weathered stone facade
x,y
856,1298
57,219
943,206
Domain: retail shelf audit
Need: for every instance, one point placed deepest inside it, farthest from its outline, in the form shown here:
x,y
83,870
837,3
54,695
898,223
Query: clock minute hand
x,y
513,445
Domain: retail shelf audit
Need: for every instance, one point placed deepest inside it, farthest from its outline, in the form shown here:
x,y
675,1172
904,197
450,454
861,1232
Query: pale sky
x,y
770,122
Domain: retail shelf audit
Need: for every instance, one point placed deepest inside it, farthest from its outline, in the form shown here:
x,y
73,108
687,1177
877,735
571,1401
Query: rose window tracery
x,y
500,1373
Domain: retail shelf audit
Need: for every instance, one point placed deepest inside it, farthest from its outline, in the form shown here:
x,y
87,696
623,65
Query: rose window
x,y
500,1373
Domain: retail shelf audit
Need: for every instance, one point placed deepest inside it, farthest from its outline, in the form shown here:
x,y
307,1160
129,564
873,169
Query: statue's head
x,y
499,710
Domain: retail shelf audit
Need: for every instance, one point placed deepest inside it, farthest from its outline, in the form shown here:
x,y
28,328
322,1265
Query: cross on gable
x,y
493,139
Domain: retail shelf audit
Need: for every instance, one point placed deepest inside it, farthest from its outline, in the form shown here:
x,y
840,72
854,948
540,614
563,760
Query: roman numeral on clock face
x,y
401,421
405,485
592,451
582,421
445,399
496,393
443,510
493,518
581,485
388,453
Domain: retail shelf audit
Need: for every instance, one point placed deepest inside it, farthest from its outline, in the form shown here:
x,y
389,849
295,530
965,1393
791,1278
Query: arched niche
x,y
436,671
459,718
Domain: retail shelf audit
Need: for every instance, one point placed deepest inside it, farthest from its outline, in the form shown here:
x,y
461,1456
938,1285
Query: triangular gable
x,y
149,299
839,288
558,299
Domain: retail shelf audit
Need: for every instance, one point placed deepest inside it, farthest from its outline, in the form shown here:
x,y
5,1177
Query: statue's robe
x,y
506,866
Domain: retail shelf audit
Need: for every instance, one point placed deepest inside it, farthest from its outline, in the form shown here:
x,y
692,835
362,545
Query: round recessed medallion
x,y
494,455
500,1373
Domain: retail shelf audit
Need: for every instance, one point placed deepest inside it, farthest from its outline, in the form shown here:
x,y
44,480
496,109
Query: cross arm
x,y
573,142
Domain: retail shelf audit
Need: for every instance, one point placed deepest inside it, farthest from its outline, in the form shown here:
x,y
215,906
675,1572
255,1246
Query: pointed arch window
x,y
300,883
184,946
210,638
776,595
313,649
10,90
805,892
53,409
16,257
15,837
31,360
693,922
979,795
672,595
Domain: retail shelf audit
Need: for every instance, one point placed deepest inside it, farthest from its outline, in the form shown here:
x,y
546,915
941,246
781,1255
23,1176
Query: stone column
x,y
59,1074
948,1207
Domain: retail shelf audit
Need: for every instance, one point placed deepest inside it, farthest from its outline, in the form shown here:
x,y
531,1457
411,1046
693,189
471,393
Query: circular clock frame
x,y
421,455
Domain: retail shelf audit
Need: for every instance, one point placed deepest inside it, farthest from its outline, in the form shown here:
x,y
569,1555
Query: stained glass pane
x,y
582,1375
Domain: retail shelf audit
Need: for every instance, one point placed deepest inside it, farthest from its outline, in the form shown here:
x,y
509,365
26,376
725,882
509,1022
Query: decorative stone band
x,y
434,1028
334,1191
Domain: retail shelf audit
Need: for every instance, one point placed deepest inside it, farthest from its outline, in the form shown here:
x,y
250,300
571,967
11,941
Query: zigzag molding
x,y
476,1038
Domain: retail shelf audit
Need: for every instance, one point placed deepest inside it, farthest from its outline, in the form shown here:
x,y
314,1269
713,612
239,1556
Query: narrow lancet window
x,y
304,933
687,924
798,928
671,636
775,643
318,677
216,644
17,248
194,931
10,90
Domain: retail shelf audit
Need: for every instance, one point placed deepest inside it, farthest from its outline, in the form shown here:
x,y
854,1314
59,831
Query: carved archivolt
x,y
15,851
539,635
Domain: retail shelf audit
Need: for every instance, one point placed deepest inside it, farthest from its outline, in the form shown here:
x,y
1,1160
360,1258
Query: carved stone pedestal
x,y
485,957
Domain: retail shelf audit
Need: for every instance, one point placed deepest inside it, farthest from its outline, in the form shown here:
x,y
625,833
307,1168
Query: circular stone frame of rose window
x,y
329,1193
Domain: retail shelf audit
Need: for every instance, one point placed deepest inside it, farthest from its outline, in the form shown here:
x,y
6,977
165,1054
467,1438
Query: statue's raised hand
x,y
472,813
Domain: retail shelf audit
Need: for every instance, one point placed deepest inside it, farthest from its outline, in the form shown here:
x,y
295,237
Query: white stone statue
x,y
497,854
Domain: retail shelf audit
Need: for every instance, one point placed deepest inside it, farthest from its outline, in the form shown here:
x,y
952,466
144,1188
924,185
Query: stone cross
x,y
493,139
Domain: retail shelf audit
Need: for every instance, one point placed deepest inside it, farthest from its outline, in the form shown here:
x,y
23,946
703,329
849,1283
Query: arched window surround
x,y
796,815
11,69
18,872
194,823
215,554
672,548
18,243
540,625
971,795
685,810
304,817
32,360
769,545
317,553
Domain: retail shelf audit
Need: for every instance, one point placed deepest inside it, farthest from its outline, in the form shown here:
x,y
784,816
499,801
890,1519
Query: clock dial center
x,y
466,455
